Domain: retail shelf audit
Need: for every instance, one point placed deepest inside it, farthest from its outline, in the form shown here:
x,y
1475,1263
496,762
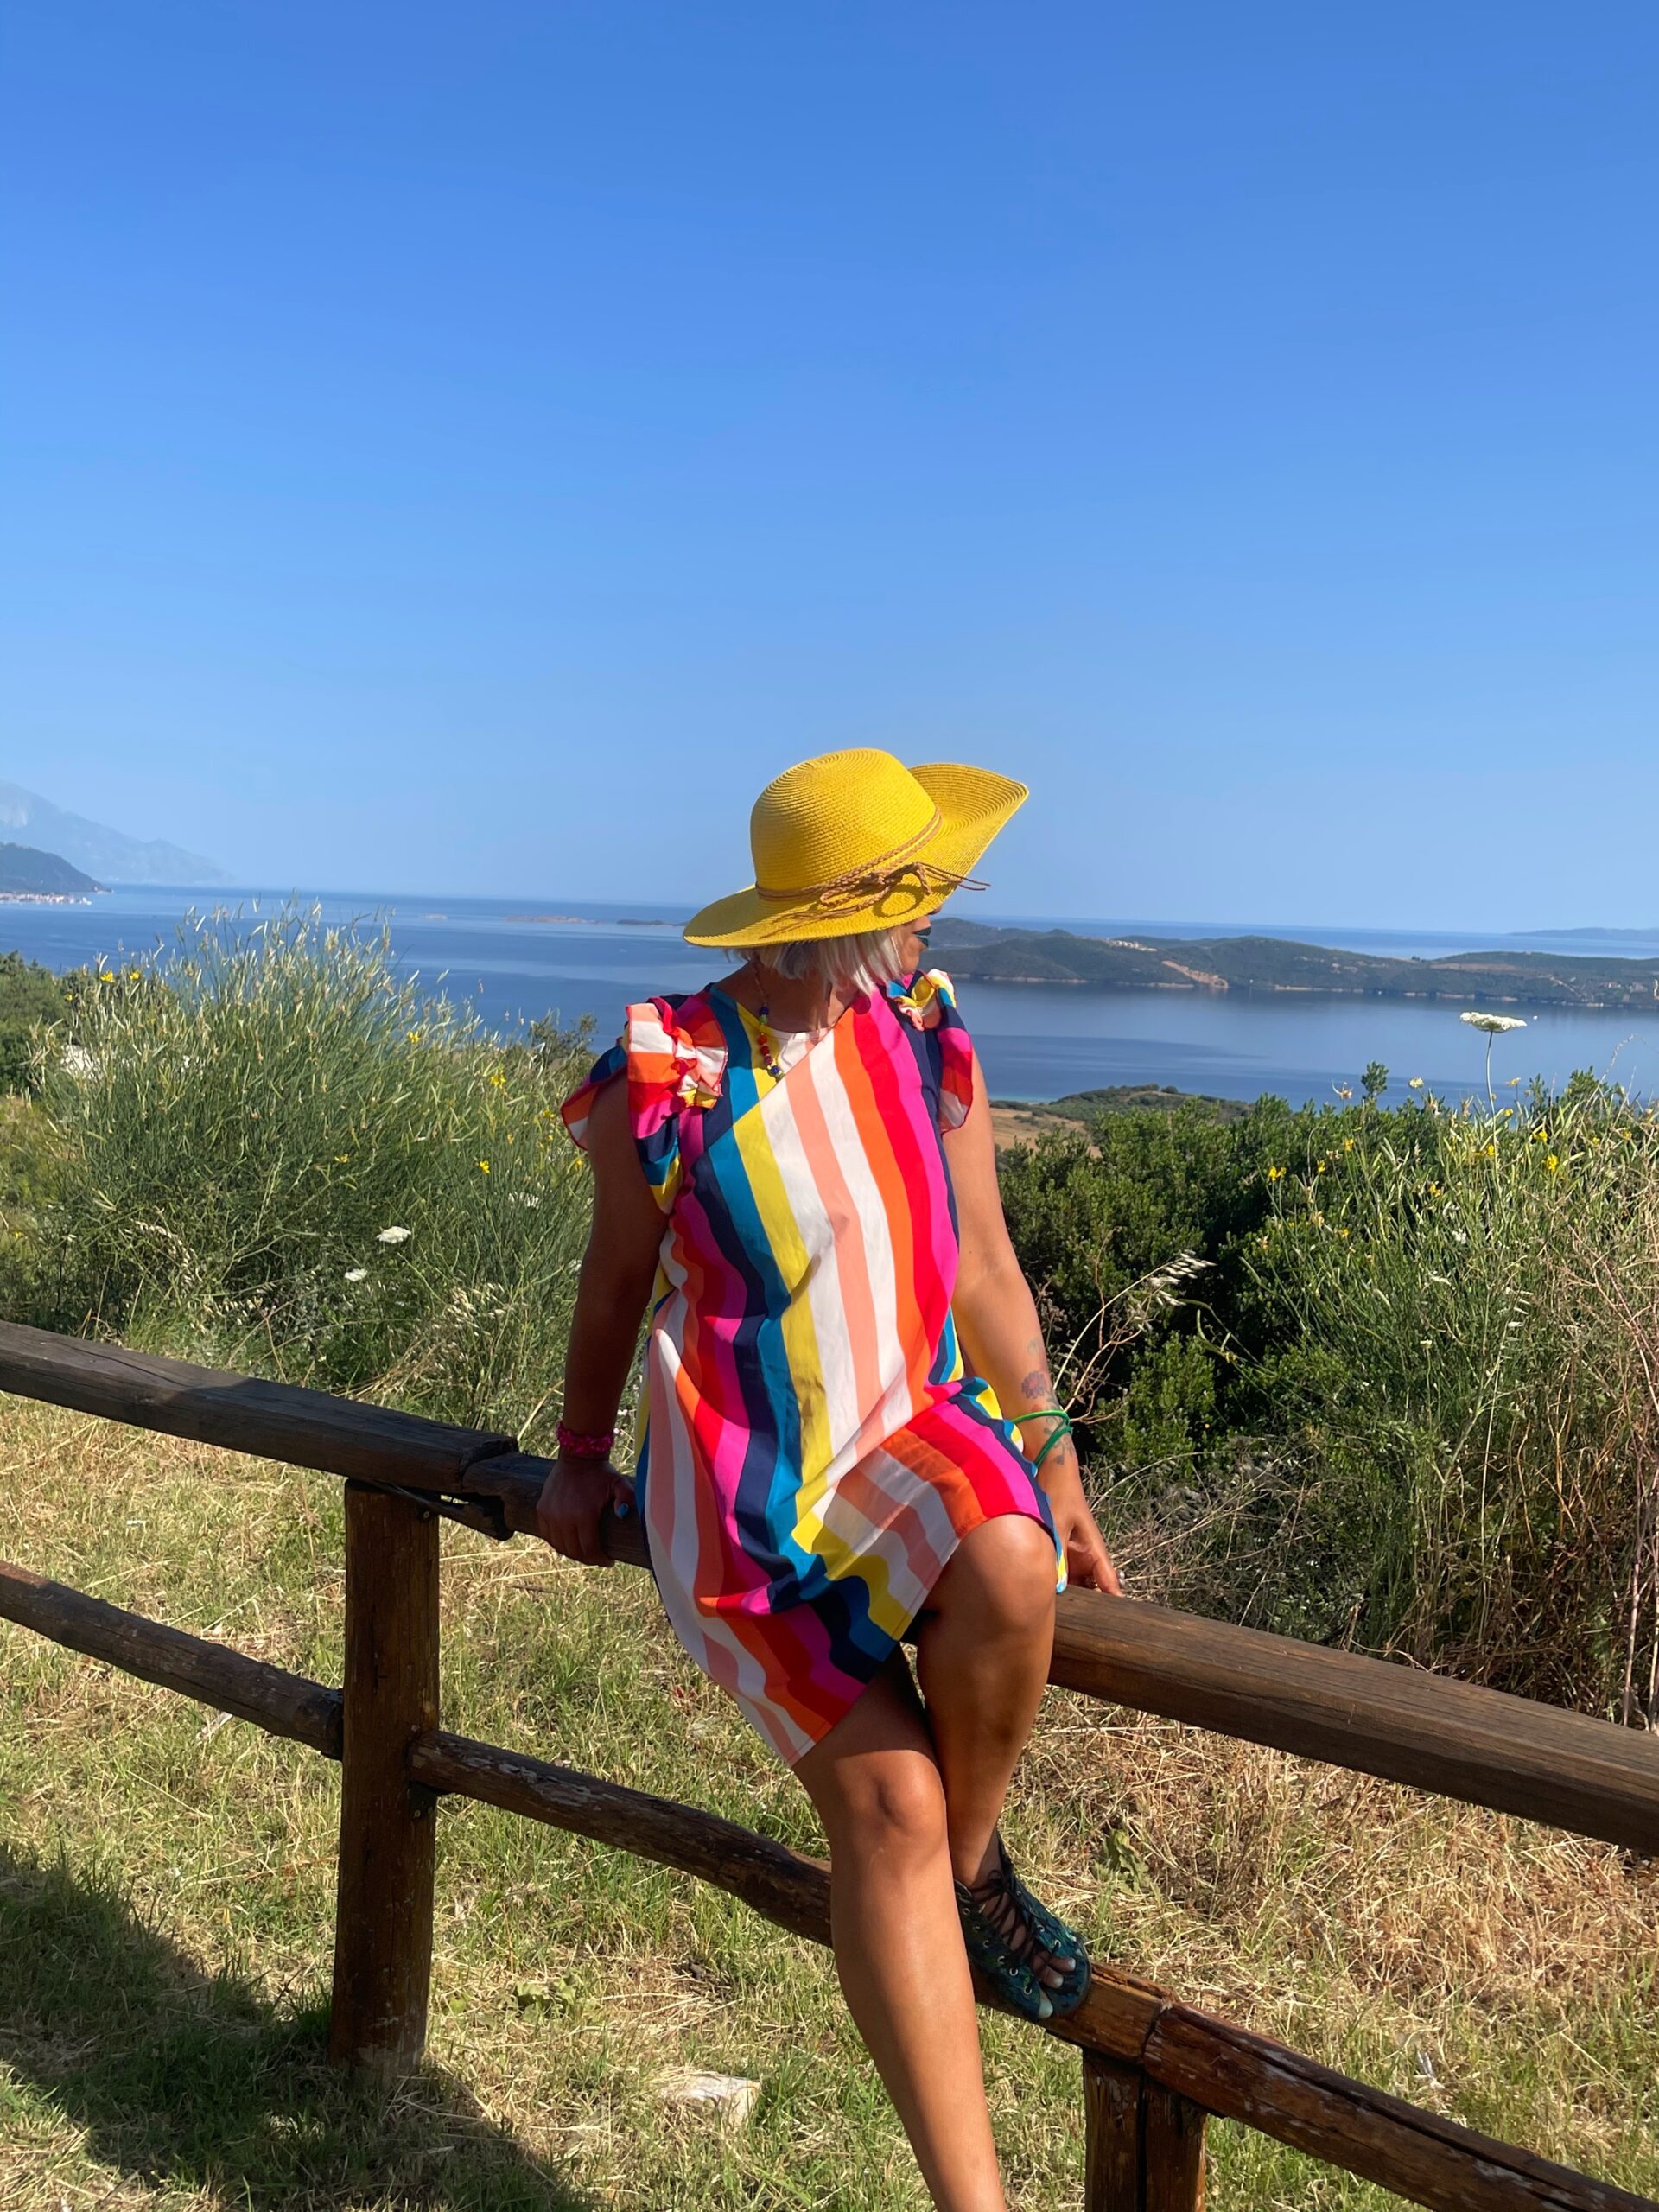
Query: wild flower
x,y
1416,1082
393,1235
1493,1024
1275,1174
483,1166
1553,1164
357,1274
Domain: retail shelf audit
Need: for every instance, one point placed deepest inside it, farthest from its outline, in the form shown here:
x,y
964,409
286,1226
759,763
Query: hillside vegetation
x,y
27,873
977,952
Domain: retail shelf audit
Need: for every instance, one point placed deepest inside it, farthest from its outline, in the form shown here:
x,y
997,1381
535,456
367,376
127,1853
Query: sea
x,y
514,960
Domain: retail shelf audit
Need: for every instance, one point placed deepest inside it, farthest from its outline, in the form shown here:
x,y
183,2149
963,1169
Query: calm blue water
x,y
1035,1043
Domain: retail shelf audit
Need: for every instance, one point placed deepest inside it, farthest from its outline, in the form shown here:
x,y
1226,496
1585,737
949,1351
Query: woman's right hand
x,y
572,1500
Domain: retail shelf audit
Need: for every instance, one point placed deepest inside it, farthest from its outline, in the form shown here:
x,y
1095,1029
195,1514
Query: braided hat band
x,y
877,879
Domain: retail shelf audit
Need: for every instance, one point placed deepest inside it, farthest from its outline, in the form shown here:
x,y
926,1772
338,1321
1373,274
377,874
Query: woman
x,y
794,1166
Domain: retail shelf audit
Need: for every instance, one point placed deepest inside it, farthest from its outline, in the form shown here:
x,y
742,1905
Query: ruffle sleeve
x,y
673,1053
928,1002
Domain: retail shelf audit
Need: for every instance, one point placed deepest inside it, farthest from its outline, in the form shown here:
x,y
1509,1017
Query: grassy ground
x,y
166,1890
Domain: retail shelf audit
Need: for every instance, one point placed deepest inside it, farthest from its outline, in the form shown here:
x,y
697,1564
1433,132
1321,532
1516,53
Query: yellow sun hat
x,y
855,841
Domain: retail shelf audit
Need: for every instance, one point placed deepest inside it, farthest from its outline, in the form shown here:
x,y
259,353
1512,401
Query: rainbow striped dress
x,y
813,1450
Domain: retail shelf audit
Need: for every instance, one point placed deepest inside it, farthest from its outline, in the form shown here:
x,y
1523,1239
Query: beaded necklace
x,y
766,1039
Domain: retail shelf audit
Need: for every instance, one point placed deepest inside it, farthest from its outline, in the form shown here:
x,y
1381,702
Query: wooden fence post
x,y
1143,2144
383,1925
1171,2130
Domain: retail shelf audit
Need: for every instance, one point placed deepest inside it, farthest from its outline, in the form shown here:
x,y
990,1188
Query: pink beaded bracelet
x,y
573,1445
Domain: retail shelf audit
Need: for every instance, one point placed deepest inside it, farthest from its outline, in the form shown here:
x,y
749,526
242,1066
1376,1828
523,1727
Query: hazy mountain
x,y
109,855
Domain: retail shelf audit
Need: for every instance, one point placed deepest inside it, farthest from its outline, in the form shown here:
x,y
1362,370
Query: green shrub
x,y
1455,1315
1382,1376
276,1152
31,998
1130,1232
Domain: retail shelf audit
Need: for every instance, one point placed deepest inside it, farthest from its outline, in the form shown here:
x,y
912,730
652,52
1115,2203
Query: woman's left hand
x,y
1088,1563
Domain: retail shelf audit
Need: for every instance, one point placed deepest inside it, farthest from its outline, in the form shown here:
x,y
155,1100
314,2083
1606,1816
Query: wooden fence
x,y
1152,2066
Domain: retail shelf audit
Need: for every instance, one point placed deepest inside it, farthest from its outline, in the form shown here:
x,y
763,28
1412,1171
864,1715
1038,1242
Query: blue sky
x,y
471,448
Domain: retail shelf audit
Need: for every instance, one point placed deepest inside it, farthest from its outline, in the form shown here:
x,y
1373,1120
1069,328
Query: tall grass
x,y
1459,1316
273,1150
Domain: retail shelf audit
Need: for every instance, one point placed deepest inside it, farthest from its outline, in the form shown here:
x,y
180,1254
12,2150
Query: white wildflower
x,y
1492,1026
393,1235
357,1274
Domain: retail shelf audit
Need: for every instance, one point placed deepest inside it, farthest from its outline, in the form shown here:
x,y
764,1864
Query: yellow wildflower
x,y
1553,1163
483,1166
105,976
1348,1144
1319,1167
498,1078
1489,1151
1275,1174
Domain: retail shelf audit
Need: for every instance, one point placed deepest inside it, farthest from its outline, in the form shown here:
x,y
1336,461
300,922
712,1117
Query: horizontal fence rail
x,y
1153,2066
1567,1769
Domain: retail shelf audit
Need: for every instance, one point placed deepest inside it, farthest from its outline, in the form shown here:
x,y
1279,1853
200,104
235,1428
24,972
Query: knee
x,y
893,1809
1012,1594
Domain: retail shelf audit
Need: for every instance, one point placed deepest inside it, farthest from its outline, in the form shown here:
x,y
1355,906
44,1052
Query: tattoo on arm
x,y
1035,1383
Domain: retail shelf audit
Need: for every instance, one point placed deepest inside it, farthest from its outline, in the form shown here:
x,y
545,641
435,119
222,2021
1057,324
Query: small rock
x,y
729,2094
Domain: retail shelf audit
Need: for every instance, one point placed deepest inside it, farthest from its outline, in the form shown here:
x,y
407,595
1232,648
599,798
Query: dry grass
x,y
166,1893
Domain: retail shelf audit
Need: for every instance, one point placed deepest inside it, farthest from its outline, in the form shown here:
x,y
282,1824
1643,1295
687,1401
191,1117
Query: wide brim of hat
x,y
973,803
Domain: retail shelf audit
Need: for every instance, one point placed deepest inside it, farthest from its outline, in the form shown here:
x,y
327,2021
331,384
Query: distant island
x,y
28,873
977,952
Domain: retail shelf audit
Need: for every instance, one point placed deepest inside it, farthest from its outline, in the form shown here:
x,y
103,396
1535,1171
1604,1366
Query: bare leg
x,y
899,1949
983,1649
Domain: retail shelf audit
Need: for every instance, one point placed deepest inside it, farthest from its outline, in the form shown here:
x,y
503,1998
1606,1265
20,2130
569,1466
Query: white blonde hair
x,y
864,961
